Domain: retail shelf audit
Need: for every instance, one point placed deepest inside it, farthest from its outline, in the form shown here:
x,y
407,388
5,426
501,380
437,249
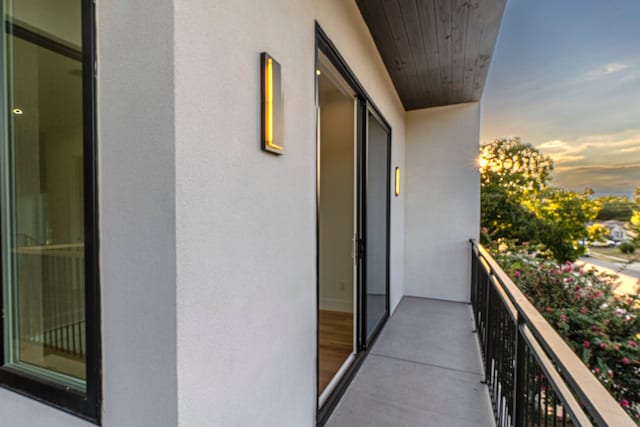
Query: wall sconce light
x,y
397,181
272,123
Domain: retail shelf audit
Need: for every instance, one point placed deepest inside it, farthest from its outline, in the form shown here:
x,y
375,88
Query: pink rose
x,y
625,361
633,344
624,403
516,274
583,309
586,344
563,317
596,371
548,309
603,346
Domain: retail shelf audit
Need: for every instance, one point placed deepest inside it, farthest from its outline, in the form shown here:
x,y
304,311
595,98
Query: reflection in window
x,y
42,193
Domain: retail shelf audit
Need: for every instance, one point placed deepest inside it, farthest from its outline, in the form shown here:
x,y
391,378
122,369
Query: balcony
x,y
424,369
494,362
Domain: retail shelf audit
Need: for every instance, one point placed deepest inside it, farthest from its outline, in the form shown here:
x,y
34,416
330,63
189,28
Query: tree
x,y
564,216
514,167
597,232
509,172
636,196
615,207
517,202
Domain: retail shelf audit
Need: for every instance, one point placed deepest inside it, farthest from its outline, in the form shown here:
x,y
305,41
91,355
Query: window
x,y
48,244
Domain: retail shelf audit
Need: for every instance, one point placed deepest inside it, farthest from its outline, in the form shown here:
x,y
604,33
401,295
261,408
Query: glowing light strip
x,y
269,106
397,182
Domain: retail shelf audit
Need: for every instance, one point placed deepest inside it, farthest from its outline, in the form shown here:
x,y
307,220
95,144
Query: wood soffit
x,y
437,52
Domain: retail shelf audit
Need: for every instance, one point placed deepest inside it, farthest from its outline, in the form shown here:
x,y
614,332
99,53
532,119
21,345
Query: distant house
x,y
617,231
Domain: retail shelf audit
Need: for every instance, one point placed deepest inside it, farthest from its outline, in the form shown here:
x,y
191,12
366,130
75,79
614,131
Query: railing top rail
x,y
600,404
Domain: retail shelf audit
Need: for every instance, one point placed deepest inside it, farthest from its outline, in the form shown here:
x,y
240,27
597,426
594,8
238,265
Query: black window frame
x,y
86,405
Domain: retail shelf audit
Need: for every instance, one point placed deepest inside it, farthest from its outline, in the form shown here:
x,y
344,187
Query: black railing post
x,y
475,280
488,350
519,404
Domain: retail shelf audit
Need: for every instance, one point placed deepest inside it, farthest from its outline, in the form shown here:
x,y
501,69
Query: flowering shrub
x,y
603,328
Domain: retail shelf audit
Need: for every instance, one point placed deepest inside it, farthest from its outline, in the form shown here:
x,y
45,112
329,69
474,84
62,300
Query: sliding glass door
x,y
376,223
353,197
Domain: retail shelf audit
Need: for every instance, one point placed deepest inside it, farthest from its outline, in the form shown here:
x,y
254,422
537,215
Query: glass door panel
x,y
336,225
376,224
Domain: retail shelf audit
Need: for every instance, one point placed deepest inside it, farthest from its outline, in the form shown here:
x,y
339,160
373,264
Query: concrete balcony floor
x,y
424,370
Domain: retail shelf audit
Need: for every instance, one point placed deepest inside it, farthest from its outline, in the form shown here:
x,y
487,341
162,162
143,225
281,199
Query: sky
x,y
565,77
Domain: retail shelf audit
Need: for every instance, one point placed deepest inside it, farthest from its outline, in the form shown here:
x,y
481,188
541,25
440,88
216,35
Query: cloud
x,y
603,179
606,70
606,149
630,149
559,159
614,68
556,143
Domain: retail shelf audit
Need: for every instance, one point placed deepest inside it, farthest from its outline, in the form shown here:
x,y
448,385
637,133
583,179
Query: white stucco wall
x,y
137,224
137,212
246,220
208,244
442,200
19,411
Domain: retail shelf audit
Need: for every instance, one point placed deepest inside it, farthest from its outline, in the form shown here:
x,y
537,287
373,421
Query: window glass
x,y
42,206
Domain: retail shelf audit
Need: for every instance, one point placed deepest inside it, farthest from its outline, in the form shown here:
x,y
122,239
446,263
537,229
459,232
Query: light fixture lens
x,y
318,72
397,182
17,111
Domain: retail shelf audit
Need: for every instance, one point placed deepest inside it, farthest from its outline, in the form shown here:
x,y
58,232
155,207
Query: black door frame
x,y
367,339
324,44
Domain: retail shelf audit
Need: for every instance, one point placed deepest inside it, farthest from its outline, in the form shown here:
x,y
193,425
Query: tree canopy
x,y
616,207
517,202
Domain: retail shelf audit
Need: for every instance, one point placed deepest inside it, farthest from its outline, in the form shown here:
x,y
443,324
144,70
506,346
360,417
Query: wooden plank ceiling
x,y
437,52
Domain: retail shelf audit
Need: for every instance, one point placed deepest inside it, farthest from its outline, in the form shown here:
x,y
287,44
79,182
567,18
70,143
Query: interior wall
x,y
336,202
60,18
246,220
443,200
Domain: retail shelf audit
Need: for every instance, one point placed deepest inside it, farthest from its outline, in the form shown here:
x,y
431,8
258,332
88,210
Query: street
x,y
628,273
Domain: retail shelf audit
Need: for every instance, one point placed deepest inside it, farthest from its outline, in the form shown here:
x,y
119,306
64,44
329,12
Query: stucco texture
x,y
246,220
443,200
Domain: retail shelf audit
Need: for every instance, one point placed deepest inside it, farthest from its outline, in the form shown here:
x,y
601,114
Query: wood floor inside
x,y
336,343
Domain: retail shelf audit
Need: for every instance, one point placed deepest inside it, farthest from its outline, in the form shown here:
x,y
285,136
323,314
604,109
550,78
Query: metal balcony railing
x,y
52,307
534,377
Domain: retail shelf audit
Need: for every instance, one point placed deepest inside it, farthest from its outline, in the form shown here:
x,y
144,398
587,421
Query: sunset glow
x,y
566,78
